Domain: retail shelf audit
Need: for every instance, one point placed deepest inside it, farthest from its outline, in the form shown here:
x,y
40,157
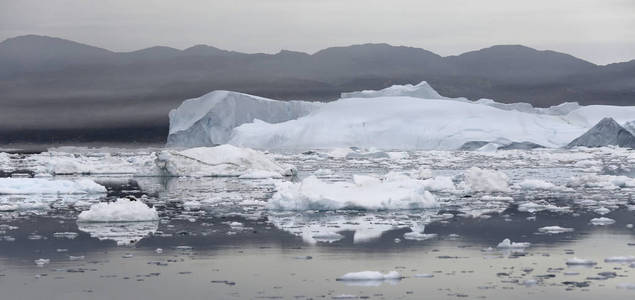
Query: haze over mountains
x,y
53,89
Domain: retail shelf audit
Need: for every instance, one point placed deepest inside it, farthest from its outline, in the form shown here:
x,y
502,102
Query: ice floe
x,y
370,276
580,262
508,244
122,210
603,221
554,229
223,160
483,180
23,186
367,192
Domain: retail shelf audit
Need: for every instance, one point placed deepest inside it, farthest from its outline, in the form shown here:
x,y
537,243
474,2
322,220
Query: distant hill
x,y
71,88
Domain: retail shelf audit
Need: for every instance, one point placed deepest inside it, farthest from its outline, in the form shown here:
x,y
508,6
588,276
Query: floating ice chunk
x,y
602,211
122,210
536,207
370,276
66,235
424,275
192,205
580,262
620,259
537,184
554,229
603,221
418,236
367,192
48,186
483,180
42,261
602,181
508,244
344,296
439,184
223,160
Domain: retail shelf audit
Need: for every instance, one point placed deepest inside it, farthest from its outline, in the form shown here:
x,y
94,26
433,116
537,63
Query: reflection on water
x,y
124,233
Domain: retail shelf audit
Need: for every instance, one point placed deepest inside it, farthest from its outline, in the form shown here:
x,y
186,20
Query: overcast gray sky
x,y
601,31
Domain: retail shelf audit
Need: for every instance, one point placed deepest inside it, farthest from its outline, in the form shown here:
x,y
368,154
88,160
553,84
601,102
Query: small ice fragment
x,y
554,229
603,221
417,236
424,275
42,261
158,250
370,276
602,211
580,262
507,244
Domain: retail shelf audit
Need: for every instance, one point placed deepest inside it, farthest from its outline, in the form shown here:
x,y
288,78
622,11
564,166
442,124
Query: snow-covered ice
x,y
25,186
122,210
366,192
483,180
603,221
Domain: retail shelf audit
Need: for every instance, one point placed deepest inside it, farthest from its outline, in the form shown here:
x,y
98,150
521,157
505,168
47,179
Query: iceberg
x,y
399,117
409,123
605,133
209,120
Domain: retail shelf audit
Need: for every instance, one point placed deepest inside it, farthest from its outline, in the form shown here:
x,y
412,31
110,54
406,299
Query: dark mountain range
x,y
52,89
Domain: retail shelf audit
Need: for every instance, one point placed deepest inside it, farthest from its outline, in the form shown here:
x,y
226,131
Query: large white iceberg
x,y
399,117
210,119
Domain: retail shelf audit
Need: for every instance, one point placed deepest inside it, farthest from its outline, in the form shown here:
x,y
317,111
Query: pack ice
x,y
399,117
